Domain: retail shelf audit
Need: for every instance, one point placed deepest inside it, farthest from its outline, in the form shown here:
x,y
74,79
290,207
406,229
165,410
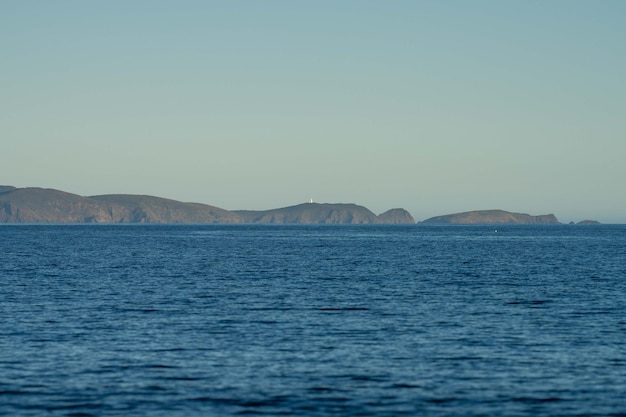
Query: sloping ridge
x,y
492,217
312,213
6,189
149,209
42,205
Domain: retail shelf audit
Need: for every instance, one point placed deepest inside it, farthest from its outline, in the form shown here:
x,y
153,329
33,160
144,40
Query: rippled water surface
x,y
312,320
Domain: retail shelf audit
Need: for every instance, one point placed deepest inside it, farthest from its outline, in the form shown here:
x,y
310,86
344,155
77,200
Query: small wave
x,y
534,400
159,366
405,385
441,400
321,389
530,302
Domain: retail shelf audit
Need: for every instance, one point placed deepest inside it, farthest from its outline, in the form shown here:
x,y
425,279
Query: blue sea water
x,y
187,320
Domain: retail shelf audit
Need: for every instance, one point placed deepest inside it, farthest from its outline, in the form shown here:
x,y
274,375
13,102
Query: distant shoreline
x,y
33,205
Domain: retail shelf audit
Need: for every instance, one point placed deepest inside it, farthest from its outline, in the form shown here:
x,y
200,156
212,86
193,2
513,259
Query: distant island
x,y
592,222
41,205
492,217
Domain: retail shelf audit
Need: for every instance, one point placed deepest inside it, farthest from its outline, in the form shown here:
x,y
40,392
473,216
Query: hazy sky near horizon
x,y
437,107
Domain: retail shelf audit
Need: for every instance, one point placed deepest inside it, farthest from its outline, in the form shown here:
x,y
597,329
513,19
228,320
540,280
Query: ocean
x,y
221,320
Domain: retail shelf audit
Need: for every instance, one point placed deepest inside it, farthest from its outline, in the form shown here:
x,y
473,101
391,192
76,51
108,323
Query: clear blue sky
x,y
437,107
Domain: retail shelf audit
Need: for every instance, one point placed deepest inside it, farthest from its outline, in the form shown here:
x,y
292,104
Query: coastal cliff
x,y
148,209
39,205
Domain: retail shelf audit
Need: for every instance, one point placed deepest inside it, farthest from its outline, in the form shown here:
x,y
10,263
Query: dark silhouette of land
x,y
43,205
40,205
492,217
326,213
